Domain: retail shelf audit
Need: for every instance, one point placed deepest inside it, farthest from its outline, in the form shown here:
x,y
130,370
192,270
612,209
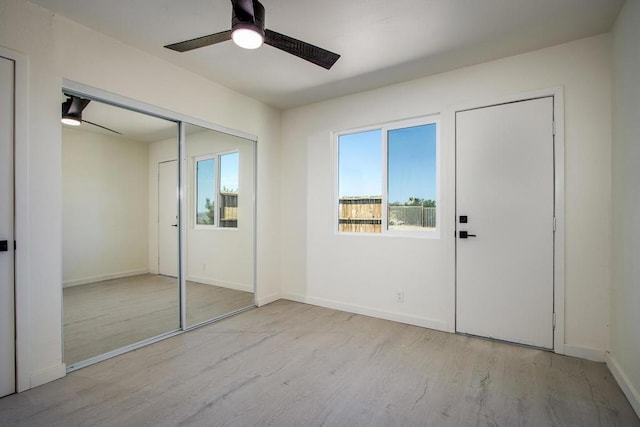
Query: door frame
x,y
21,215
557,93
8,284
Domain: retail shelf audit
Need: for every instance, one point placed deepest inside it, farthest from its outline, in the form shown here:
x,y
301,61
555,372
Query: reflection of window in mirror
x,y
217,187
229,190
205,191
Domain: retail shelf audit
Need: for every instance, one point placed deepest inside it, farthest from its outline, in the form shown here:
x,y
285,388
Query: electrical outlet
x,y
399,296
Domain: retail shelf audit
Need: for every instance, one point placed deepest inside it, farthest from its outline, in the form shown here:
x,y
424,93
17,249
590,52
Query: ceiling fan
x,y
248,31
72,112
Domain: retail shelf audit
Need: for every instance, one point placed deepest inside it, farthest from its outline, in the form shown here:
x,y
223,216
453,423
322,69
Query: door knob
x,y
174,225
465,234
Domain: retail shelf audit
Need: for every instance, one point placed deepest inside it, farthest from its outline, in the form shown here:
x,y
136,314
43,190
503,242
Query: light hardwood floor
x,y
103,316
290,364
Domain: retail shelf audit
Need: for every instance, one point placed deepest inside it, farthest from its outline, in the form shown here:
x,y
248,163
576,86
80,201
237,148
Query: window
x,y
387,179
217,190
360,182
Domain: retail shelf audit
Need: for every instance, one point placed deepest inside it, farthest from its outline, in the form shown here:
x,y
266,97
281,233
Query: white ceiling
x,y
381,41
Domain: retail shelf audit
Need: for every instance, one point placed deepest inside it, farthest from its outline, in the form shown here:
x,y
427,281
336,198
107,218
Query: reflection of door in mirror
x,y
168,218
113,295
220,224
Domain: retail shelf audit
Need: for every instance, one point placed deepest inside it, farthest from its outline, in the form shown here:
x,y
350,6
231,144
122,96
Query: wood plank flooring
x,y
103,316
291,364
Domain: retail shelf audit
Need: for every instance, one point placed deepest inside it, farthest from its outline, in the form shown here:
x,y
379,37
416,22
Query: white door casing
x,y
505,187
7,266
168,218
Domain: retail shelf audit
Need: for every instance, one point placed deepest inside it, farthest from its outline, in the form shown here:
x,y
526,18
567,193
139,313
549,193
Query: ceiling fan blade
x,y
100,126
243,9
303,50
200,41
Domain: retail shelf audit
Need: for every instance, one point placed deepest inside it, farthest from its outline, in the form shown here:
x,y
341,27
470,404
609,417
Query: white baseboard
x,y
632,393
267,300
49,374
584,353
94,279
224,284
424,322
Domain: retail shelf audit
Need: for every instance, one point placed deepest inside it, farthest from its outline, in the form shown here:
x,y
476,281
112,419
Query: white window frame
x,y
216,200
385,128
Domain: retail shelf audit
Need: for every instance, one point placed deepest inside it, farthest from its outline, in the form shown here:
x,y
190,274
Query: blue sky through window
x,y
360,164
412,163
411,159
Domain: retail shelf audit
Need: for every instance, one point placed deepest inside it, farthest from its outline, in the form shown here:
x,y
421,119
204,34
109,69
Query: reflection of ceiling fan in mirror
x,y
72,112
248,31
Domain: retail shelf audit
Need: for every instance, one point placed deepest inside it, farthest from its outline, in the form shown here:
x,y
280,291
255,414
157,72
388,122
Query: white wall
x,y
57,48
104,207
624,358
361,273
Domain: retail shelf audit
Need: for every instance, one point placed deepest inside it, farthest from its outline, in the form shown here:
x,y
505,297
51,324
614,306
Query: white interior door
x,y
168,218
505,188
7,305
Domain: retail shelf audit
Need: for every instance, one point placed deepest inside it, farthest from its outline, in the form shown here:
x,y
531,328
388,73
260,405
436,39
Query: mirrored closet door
x,y
120,228
158,225
220,223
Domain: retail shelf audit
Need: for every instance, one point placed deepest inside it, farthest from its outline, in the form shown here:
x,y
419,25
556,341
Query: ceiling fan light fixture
x,y
71,120
247,38
72,110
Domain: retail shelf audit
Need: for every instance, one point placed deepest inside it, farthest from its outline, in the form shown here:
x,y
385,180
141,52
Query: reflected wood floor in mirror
x,y
291,364
103,316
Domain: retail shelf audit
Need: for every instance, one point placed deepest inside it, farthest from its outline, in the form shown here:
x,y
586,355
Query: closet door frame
x,y
21,209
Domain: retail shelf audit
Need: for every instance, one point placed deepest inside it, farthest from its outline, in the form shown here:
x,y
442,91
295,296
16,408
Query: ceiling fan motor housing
x,y
73,106
256,24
